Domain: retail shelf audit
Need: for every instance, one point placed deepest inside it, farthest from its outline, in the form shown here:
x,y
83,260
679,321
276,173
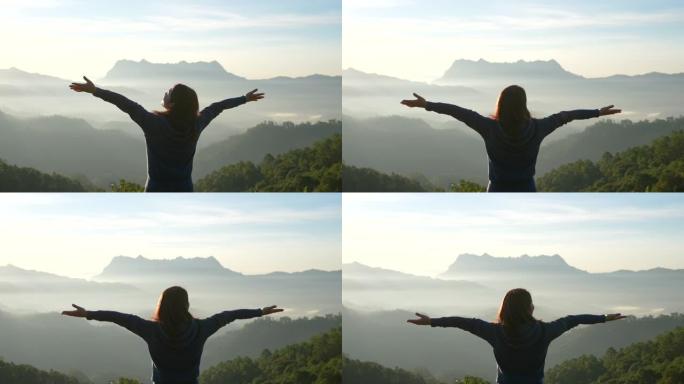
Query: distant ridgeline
x,y
313,165
654,167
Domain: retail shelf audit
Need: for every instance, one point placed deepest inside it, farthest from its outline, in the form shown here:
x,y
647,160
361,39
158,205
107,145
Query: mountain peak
x,y
471,263
518,71
124,70
125,266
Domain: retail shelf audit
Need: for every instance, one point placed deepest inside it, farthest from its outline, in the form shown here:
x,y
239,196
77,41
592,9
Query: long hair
x,y
172,311
516,310
511,109
183,113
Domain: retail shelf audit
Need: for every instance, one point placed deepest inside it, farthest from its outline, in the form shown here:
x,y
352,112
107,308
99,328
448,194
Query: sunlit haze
x,y
77,235
67,38
415,40
423,234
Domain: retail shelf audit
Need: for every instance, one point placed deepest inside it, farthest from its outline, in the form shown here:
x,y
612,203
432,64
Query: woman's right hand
x,y
419,102
614,316
79,312
88,86
421,320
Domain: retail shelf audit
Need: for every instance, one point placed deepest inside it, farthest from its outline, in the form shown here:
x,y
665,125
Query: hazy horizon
x,y
423,234
68,38
78,235
402,38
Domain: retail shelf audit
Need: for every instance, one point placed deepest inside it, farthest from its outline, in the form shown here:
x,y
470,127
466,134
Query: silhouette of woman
x,y
512,137
519,340
171,135
174,338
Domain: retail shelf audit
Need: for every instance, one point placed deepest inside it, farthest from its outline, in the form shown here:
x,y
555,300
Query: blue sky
x,y
423,233
255,39
408,39
77,235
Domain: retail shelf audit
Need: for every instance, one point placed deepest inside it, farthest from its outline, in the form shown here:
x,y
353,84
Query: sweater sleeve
x,y
209,113
215,322
133,323
551,123
474,120
477,327
146,120
564,324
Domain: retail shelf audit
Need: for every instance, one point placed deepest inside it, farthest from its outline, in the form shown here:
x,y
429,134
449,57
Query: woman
x,y
171,135
512,137
519,340
174,338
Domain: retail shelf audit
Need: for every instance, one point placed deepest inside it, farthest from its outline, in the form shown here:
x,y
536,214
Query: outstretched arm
x,y
470,118
477,327
564,324
215,322
551,123
209,113
137,113
131,322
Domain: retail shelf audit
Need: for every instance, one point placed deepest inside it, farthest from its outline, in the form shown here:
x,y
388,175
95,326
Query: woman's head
x,y
516,309
172,311
182,106
511,109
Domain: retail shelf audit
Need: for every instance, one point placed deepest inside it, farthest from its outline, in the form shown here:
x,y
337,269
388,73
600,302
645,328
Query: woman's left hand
x,y
254,96
270,310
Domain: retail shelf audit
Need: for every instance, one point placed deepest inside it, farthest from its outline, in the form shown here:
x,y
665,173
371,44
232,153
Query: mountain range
x,y
479,283
133,284
550,88
310,98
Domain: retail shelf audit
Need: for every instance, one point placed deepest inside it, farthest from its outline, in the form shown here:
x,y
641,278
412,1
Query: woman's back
x,y
170,156
512,152
170,146
175,358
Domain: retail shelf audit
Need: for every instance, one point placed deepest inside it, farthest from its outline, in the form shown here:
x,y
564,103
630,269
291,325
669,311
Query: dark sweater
x,y
512,159
169,154
175,360
520,357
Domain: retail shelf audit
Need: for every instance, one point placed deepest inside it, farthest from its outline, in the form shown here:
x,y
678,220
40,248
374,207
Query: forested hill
x,y
25,179
73,147
356,371
657,167
658,361
11,373
316,361
313,169
316,168
257,142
